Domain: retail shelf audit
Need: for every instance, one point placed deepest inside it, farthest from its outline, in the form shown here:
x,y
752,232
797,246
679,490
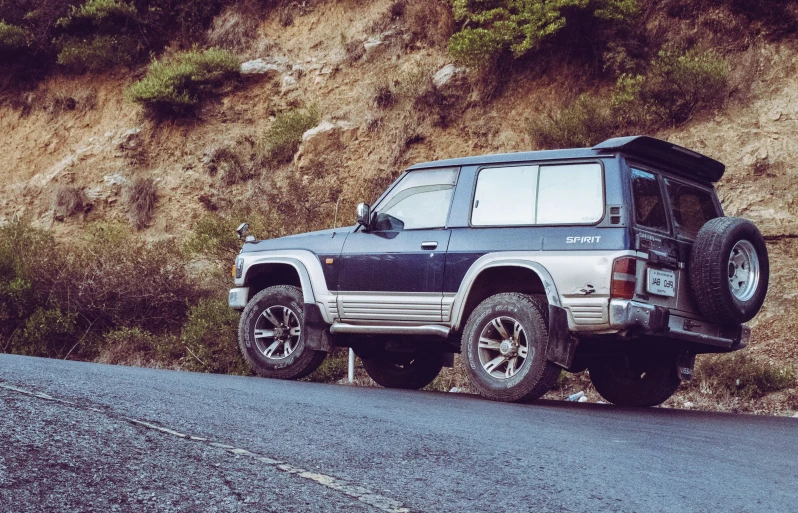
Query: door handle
x,y
429,245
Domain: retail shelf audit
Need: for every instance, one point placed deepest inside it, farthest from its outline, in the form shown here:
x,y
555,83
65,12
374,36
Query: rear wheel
x,y
271,335
636,379
504,345
409,371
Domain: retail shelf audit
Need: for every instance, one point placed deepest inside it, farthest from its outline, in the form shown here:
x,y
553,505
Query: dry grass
x,y
236,28
225,162
140,196
69,200
430,22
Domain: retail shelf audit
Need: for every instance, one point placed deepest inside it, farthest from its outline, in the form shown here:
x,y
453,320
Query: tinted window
x,y
420,200
505,196
649,206
692,207
570,194
528,195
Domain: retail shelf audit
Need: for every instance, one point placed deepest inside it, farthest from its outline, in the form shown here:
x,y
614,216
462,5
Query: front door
x,y
393,271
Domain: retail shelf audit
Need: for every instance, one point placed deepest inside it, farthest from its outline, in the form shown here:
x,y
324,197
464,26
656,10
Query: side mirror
x,y
364,215
242,229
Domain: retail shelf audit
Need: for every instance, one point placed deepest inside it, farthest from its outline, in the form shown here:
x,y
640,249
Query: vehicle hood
x,y
322,241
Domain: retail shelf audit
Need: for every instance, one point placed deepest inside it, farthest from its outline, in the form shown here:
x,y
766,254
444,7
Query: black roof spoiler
x,y
657,150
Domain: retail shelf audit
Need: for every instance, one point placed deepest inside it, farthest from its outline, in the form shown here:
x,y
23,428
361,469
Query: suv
x,y
615,259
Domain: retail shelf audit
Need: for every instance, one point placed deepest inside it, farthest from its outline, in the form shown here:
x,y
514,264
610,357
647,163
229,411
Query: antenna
x,y
335,219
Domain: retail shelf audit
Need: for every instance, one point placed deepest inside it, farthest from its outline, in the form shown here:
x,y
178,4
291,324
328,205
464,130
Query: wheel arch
x,y
279,271
491,276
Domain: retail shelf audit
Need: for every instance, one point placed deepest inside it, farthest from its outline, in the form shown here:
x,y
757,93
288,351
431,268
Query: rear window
x,y
649,205
692,207
529,195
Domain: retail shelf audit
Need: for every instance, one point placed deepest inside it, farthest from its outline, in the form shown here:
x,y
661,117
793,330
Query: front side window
x,y
530,195
420,200
649,206
692,207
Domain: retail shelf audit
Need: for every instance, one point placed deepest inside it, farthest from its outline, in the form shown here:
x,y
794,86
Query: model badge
x,y
582,240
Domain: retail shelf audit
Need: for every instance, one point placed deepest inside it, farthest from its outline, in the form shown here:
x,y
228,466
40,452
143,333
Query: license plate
x,y
662,283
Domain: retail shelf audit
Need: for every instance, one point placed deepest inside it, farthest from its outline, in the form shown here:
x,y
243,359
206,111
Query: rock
x,y
372,43
328,137
756,159
445,75
114,180
688,404
259,67
455,390
289,83
450,81
129,139
582,399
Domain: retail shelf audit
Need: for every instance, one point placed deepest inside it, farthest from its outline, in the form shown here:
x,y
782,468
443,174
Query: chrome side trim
x,y
431,329
382,306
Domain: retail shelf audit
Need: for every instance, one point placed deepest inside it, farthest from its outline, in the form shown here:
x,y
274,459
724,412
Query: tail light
x,y
624,275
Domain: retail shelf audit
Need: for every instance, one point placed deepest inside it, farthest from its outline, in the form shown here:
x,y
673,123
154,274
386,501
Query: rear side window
x,y
692,207
529,195
649,205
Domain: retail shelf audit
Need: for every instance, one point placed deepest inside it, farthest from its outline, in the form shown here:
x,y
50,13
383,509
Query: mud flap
x,y
684,366
317,331
562,346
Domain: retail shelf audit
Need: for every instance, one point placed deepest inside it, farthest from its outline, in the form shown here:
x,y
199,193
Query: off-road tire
x,y
709,270
636,379
406,371
536,375
302,361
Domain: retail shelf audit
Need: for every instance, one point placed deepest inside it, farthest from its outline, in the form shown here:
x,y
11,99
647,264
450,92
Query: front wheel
x,y
409,371
271,335
636,379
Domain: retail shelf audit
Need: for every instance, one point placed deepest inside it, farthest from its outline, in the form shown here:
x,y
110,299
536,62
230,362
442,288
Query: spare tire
x,y
729,270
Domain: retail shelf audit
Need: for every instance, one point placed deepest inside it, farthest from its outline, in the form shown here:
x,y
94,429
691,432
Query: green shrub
x,y
281,140
135,345
333,368
740,376
214,238
677,85
100,13
13,38
584,123
520,26
176,85
210,338
47,332
98,53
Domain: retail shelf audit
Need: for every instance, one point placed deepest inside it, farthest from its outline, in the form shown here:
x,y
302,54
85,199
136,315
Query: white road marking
x,y
356,492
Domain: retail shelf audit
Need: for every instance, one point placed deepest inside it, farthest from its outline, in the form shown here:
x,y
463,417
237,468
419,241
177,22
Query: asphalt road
x,y
89,437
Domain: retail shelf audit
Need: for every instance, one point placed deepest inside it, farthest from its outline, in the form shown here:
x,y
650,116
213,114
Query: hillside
x,y
368,68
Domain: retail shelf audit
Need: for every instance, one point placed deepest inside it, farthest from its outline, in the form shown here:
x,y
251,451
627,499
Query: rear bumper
x,y
657,320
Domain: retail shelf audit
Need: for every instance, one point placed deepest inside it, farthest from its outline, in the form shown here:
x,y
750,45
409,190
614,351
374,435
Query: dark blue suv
x,y
615,259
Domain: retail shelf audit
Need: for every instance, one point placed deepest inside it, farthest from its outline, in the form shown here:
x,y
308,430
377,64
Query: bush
x,y
281,140
678,84
68,201
177,85
140,196
135,346
740,376
225,161
47,332
99,53
100,13
210,338
584,123
13,38
520,27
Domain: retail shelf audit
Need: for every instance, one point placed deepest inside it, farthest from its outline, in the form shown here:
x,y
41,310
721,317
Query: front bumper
x,y
628,315
237,298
